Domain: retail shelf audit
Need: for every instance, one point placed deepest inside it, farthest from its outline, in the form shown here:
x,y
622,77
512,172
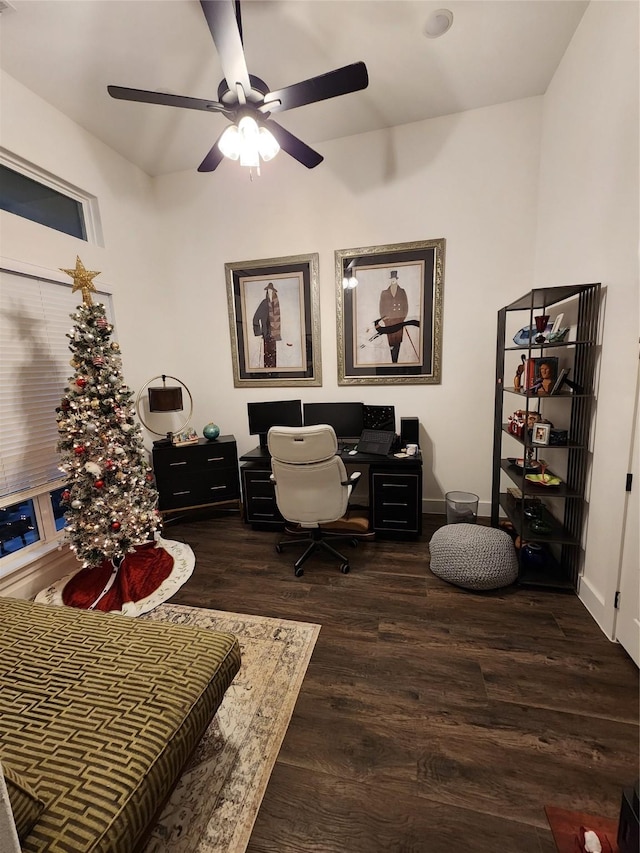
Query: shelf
x,y
570,395
522,527
561,567
546,345
529,488
570,445
552,578
543,297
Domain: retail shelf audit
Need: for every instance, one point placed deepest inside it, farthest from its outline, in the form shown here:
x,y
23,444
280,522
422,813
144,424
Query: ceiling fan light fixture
x,y
267,144
249,136
438,23
229,143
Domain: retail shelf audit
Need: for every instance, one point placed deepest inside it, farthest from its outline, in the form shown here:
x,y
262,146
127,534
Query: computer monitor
x,y
262,416
345,418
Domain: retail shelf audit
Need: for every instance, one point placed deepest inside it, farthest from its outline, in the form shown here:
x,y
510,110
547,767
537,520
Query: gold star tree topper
x,y
82,280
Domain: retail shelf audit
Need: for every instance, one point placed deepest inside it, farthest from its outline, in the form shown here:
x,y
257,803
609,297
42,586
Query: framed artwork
x,y
274,321
541,433
542,374
389,313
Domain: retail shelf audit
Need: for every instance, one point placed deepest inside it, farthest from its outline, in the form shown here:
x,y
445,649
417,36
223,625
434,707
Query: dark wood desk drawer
x,y
396,502
259,497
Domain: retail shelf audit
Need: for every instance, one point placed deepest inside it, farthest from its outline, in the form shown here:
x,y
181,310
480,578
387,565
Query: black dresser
x,y
197,475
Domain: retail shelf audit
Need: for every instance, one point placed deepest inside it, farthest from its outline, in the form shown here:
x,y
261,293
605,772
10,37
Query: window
x,y
34,194
34,370
32,200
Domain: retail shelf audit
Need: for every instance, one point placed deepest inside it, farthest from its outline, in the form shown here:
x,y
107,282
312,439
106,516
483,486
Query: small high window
x,y
39,203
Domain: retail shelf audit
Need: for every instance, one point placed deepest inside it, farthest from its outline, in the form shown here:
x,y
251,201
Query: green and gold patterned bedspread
x,y
98,715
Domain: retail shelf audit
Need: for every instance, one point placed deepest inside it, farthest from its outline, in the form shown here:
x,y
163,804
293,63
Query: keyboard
x,y
376,441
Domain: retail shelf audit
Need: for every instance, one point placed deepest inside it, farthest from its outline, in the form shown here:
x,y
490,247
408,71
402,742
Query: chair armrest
x,y
353,479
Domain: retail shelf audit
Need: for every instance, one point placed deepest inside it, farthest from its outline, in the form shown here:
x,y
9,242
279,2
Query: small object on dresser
x,y
189,436
211,431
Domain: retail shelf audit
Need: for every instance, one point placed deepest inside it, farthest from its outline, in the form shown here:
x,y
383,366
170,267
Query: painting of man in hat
x,y
394,307
273,323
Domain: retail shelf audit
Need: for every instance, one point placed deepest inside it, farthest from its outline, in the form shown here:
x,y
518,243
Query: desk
x,y
395,491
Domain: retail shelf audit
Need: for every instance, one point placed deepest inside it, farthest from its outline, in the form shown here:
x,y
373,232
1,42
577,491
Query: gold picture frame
x,y
274,321
389,323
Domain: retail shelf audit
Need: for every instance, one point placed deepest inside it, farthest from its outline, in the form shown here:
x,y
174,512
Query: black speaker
x,y
409,431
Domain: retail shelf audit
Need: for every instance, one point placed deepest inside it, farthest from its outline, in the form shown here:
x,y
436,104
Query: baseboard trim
x,y
596,605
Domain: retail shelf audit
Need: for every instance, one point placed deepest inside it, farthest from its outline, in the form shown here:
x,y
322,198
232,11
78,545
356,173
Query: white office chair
x,y
311,486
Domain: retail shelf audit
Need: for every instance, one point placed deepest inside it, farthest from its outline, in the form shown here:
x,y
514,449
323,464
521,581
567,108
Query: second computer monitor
x,y
345,418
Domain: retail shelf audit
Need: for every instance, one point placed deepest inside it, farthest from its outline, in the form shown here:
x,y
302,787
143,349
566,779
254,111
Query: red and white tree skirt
x,y
147,577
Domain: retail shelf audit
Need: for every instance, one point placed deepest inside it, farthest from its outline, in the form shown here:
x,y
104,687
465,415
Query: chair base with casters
x,y
318,541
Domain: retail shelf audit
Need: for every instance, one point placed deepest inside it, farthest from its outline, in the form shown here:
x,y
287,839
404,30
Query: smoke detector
x,y
438,23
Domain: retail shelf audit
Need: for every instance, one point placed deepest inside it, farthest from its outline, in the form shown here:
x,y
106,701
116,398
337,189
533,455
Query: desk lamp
x,y
165,398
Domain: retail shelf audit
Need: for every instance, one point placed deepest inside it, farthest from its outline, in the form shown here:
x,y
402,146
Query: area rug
x,y
216,802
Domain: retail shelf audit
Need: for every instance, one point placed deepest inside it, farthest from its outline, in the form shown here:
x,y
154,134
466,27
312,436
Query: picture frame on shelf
x,y
274,321
389,313
560,380
541,375
540,434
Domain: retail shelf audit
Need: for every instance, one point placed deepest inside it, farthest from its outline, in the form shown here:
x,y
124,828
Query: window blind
x,y
34,370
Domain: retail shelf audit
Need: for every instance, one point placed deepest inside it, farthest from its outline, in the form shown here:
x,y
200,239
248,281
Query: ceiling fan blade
x,y
342,81
225,31
213,158
299,150
145,97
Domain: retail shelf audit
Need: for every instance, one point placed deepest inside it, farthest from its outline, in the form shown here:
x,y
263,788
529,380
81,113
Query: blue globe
x,y
211,431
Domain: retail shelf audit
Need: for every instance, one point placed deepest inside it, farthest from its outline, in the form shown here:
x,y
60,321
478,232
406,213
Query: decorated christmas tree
x,y
110,501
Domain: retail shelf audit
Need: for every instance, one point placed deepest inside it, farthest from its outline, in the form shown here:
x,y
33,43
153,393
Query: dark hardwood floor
x,y
431,719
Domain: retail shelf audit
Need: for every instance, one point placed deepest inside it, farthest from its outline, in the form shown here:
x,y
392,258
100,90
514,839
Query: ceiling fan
x,y
247,101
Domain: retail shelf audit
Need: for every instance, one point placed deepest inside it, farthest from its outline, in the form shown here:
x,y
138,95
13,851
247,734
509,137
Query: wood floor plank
x,y
431,719
317,813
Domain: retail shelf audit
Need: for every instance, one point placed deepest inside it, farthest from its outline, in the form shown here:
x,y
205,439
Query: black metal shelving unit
x,y
562,507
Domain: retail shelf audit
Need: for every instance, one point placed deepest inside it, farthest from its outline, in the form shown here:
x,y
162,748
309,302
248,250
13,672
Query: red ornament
x,y
108,464
149,478
99,484
80,382
115,525
79,450
65,495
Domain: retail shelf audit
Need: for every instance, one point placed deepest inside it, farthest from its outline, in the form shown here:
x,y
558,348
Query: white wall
x,y
129,262
470,178
588,229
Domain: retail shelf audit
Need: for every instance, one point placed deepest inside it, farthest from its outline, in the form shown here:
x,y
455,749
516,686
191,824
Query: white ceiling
x,y
68,51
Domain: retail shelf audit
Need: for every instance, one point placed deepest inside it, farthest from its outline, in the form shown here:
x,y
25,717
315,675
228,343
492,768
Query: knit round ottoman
x,y
473,556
